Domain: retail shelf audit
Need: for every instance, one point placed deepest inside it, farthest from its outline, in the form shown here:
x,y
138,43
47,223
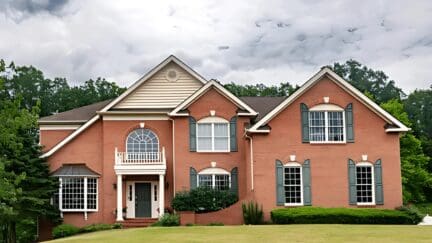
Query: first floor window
x,y
77,194
364,184
216,181
293,185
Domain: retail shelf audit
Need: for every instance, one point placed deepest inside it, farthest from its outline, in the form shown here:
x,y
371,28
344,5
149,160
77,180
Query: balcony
x,y
146,163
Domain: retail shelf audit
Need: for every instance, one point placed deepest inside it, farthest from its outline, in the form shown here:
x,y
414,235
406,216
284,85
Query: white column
x,y
161,195
119,198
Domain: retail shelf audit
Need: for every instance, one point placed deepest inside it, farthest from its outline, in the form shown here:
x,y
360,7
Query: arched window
x,y
142,140
327,124
216,178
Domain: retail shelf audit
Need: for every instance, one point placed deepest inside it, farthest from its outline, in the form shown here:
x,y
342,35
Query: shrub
x,y
252,213
215,224
168,220
95,227
203,199
117,226
414,212
316,215
64,230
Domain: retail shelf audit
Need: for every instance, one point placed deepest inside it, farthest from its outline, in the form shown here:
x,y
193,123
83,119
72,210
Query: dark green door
x,y
142,200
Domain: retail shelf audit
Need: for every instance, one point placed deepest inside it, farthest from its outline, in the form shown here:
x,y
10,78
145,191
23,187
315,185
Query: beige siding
x,y
158,92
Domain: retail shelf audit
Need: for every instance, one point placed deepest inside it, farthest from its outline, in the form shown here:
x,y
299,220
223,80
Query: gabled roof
x,y
400,127
178,111
149,74
262,104
77,115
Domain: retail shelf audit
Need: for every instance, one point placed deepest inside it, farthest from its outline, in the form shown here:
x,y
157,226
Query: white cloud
x,y
246,42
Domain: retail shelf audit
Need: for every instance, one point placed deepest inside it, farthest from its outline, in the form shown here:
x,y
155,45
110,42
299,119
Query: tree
x,y
416,180
376,83
283,89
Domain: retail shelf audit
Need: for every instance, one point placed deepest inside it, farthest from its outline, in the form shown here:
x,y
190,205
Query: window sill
x,y
366,205
293,204
327,142
77,210
212,152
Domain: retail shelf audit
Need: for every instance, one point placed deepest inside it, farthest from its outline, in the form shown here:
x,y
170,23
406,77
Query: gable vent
x,y
172,75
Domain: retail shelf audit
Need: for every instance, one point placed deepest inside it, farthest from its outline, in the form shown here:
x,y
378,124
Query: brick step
x,y
139,222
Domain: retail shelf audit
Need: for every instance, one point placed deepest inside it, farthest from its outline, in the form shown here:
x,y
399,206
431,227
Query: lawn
x,y
264,233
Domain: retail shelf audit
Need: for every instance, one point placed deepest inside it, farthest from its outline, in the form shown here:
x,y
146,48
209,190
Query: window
x,y
293,184
326,126
213,135
216,178
142,140
77,194
365,184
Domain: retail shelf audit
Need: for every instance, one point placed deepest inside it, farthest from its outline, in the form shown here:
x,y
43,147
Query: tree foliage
x,y
283,89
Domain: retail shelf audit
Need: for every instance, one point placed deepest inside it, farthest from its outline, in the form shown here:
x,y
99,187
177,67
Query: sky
x,y
245,42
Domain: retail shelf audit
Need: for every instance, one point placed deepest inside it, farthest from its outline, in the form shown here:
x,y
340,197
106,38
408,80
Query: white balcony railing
x,y
144,158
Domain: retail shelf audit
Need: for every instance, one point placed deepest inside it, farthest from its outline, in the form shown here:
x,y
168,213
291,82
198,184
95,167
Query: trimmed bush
x,y
64,230
316,215
215,224
203,199
95,227
252,213
168,220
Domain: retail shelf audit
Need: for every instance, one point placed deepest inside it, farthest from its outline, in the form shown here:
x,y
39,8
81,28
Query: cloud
x,y
262,41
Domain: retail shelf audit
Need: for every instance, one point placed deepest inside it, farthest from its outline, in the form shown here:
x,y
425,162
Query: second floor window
x,y
213,135
326,126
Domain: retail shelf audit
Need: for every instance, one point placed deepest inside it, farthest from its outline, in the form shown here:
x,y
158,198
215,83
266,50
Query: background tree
x,y
283,89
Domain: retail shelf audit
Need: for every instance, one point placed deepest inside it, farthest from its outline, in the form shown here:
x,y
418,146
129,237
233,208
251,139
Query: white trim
x,y
85,209
64,122
58,127
148,75
221,90
209,171
342,83
326,107
213,137
367,164
213,119
294,164
70,137
135,117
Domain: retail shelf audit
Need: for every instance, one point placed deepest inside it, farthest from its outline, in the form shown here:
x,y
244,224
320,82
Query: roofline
x,y
345,85
63,122
213,83
149,74
70,137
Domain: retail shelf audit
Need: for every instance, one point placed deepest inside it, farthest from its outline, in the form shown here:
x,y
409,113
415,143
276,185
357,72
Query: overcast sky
x,y
249,42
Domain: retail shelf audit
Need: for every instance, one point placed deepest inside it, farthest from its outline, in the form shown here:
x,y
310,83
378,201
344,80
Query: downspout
x,y
173,154
251,159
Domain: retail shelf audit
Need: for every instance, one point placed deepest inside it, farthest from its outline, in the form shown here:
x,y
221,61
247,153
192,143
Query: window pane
x,y
204,130
335,121
317,126
204,143
364,184
91,193
221,182
292,184
221,130
72,193
205,180
221,144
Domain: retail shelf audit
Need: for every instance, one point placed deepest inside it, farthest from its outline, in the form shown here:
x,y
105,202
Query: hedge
x,y
316,215
203,199
65,230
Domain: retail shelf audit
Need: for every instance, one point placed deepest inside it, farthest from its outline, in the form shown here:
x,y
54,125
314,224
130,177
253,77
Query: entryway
x,y
142,200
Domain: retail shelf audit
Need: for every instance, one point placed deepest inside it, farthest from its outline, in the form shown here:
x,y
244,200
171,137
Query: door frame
x,y
130,198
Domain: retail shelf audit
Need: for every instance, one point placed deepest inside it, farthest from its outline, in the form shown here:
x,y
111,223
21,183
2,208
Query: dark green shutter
x,y
192,134
233,134
379,196
234,181
280,192
349,123
193,178
306,176
304,122
352,182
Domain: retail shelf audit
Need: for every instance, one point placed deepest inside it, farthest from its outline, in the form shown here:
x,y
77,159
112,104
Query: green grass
x,y
263,233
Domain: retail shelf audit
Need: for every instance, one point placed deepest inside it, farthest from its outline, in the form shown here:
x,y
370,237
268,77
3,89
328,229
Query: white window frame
x,y
85,209
367,164
213,172
326,108
288,165
213,121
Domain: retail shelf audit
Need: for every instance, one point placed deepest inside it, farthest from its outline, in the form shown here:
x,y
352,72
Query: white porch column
x,y
119,198
161,195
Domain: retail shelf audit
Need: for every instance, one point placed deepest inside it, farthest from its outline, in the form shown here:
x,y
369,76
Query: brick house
x,y
325,145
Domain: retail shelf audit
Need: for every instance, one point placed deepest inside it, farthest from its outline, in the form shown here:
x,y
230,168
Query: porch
x,y
143,173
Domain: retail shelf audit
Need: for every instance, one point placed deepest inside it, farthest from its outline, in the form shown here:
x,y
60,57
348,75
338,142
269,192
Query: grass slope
x,y
265,233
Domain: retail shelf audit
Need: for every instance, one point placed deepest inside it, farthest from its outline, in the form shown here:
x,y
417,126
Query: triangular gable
x,y
400,127
247,110
143,96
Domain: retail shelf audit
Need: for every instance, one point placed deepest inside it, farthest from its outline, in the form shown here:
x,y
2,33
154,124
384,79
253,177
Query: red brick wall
x,y
328,162
49,138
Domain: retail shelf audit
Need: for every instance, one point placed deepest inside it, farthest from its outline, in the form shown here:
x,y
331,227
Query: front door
x,y
142,200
